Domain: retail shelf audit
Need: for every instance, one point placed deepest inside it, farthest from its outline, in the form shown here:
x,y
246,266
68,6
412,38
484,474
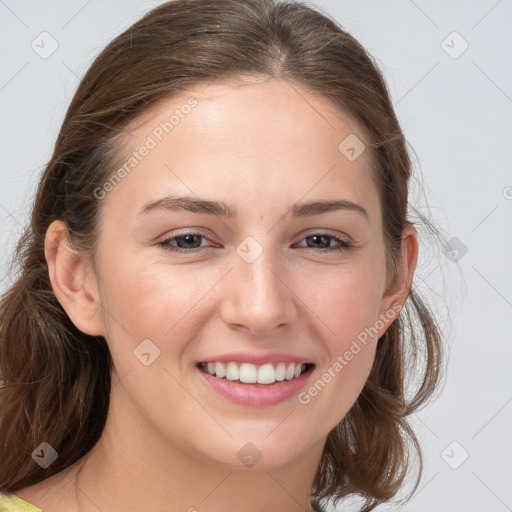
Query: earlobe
x,y
399,286
72,280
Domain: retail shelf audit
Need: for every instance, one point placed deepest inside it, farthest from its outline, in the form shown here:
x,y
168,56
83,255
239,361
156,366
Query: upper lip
x,y
256,358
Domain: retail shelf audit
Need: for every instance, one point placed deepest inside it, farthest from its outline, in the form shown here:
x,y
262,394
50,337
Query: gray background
x,y
455,108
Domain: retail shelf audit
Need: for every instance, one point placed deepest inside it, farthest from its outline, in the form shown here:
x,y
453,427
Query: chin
x,y
257,452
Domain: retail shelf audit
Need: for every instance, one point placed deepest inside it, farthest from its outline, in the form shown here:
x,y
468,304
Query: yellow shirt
x,y
13,503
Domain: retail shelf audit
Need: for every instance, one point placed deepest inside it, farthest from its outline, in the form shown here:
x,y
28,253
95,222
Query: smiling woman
x,y
216,289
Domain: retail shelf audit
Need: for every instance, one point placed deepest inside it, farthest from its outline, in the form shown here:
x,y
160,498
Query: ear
x,y
399,285
73,280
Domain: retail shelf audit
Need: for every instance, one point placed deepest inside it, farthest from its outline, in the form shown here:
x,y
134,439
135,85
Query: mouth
x,y
260,375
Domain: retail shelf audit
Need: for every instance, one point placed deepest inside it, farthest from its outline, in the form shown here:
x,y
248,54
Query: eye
x,y
184,241
324,240
190,242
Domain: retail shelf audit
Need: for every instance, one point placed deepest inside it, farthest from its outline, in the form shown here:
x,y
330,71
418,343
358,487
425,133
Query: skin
x,y
170,443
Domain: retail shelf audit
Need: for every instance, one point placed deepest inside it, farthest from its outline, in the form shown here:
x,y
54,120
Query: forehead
x,y
252,101
256,133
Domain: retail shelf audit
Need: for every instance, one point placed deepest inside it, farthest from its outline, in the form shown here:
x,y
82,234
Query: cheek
x,y
336,387
346,304
166,304
349,356
346,299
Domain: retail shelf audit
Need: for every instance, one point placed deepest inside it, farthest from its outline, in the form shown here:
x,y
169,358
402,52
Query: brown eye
x,y
185,242
324,241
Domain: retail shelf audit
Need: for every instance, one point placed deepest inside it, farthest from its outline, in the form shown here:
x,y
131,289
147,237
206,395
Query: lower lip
x,y
256,395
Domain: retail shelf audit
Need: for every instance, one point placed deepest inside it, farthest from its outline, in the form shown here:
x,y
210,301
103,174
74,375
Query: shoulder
x,y
53,494
14,503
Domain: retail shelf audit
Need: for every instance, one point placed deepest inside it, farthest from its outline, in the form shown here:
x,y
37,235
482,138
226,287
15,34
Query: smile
x,y
249,373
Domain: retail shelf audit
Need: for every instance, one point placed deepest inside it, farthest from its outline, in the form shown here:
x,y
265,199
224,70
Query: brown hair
x,y
57,379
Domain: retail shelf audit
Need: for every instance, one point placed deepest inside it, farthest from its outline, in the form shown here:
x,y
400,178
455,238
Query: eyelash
x,y
345,245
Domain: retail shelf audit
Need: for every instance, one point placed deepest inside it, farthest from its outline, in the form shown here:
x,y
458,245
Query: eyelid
x,y
317,231
327,232
187,231
345,242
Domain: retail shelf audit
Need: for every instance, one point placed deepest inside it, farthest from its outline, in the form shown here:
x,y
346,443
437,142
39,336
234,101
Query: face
x,y
243,272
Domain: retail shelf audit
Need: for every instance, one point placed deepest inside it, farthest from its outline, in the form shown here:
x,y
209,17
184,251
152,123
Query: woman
x,y
215,307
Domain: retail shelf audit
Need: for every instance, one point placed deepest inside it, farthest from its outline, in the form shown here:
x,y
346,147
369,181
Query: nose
x,y
258,295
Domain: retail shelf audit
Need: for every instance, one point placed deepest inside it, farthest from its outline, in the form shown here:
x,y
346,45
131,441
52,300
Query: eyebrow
x,y
221,209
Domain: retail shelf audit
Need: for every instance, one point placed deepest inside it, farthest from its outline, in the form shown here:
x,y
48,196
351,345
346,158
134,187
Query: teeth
x,y
248,373
290,371
252,374
280,371
266,374
220,371
232,371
